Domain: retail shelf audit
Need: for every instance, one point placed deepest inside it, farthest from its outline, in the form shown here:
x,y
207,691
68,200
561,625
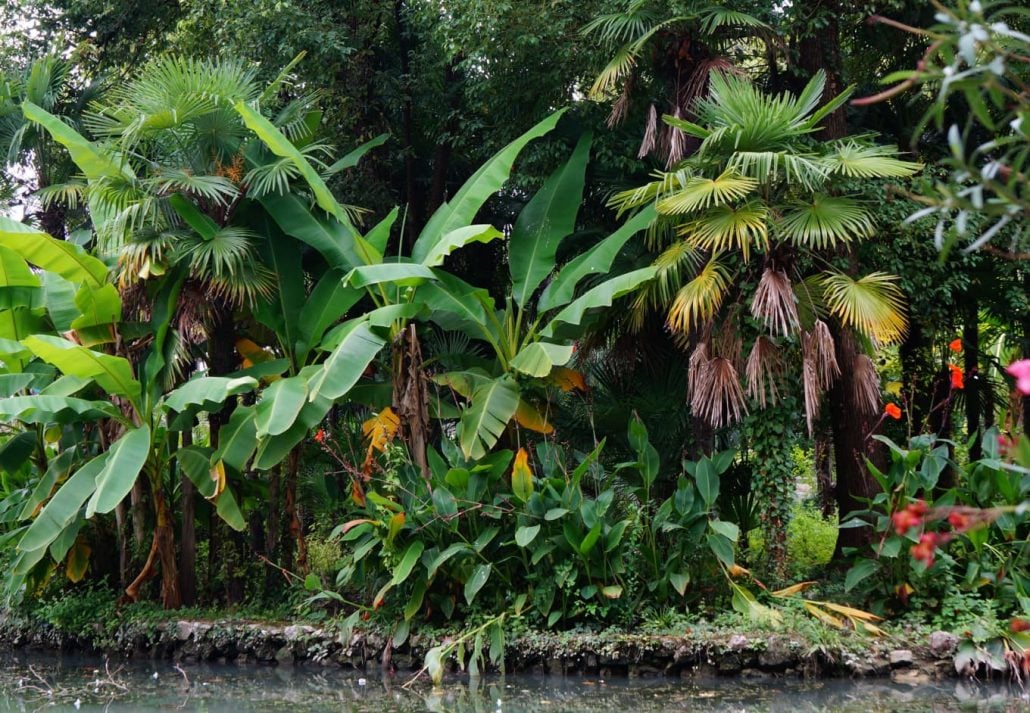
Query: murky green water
x,y
76,684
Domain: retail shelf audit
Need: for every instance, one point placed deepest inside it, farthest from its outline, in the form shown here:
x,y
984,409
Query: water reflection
x,y
77,684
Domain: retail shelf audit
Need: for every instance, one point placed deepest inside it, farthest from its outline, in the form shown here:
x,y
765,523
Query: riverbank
x,y
701,653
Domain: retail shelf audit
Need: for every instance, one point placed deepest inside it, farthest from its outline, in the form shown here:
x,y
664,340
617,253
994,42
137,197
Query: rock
x,y
776,657
738,641
911,677
942,643
901,658
284,655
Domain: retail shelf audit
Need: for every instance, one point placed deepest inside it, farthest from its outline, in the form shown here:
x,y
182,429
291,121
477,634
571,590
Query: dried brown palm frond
x,y
621,105
866,384
726,343
697,366
696,86
717,397
675,141
763,370
650,132
775,304
819,368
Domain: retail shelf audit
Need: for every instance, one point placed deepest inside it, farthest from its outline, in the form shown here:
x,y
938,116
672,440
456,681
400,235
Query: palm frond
x,y
672,263
68,194
859,160
797,169
216,189
647,144
714,18
698,301
819,368
666,183
873,305
826,221
717,397
700,193
764,368
774,303
866,384
727,227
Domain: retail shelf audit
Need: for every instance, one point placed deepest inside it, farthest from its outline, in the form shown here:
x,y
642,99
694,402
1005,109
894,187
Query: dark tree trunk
x,y
971,367
851,446
442,155
820,49
918,374
188,533
293,518
272,526
52,220
412,196
823,448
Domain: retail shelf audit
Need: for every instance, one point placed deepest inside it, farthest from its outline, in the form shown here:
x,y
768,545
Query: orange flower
x,y
955,345
320,436
892,410
957,381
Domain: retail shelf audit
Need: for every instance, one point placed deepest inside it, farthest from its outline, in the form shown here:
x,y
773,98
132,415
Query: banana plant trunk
x,y
293,517
162,553
411,397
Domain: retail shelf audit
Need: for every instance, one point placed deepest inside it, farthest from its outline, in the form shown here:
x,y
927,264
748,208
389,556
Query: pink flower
x,y
1021,370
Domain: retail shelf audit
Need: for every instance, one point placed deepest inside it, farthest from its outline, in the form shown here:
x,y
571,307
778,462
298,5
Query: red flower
x,y
320,436
958,521
957,381
955,345
926,549
892,410
911,516
1018,625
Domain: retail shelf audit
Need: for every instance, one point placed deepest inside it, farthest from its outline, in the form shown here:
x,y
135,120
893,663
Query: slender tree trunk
x,y
820,49
293,517
410,396
272,527
823,447
971,367
412,196
123,544
188,533
164,535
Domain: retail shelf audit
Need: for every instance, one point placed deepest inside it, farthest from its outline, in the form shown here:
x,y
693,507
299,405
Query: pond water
x,y
30,683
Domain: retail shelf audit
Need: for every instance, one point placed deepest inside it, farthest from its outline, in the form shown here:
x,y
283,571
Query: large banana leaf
x,y
17,324
125,460
17,281
484,420
54,409
59,298
455,304
238,438
113,374
207,393
66,259
63,507
491,176
281,312
281,146
538,358
595,261
10,384
280,405
93,163
326,304
358,346
99,308
332,239
351,159
601,296
195,462
274,449
548,218
399,273
458,238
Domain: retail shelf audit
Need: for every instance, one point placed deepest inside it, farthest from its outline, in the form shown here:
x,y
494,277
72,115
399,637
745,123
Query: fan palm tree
x,y
748,228
681,46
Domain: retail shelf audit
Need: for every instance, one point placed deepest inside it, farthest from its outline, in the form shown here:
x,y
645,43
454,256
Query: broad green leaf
x,y
484,420
59,298
193,216
461,209
326,304
475,583
595,261
590,540
66,259
548,218
398,273
378,237
18,324
441,559
63,507
727,529
526,534
17,450
54,409
93,163
281,146
408,561
238,438
458,238
454,304
862,569
707,481
113,374
679,582
358,346
208,393
15,273
196,463
538,358
126,459
99,309
600,296
281,311
280,406
722,548
335,241
11,384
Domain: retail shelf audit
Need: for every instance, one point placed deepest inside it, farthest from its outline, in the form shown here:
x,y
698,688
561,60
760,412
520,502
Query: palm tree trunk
x,y
410,397
293,516
188,534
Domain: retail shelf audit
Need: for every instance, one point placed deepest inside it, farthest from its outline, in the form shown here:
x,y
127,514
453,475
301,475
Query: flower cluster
x,y
1020,370
957,379
919,514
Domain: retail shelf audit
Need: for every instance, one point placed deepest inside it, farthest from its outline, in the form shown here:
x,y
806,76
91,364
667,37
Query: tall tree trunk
x,y
405,48
272,526
851,425
164,535
410,396
293,517
918,374
820,49
188,533
971,367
